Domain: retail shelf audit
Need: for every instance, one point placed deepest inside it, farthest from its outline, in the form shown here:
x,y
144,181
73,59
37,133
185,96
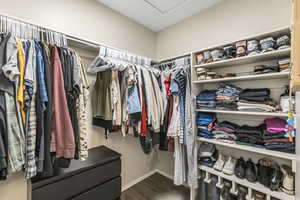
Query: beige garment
x,y
116,99
101,96
81,106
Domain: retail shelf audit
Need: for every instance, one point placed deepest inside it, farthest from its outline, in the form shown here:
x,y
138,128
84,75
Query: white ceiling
x,y
158,14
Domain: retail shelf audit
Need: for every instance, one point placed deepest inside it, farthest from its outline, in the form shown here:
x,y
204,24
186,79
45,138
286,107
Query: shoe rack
x,y
275,82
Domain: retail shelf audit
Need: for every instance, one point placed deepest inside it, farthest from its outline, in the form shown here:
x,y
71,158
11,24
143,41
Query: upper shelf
x,y
268,76
277,54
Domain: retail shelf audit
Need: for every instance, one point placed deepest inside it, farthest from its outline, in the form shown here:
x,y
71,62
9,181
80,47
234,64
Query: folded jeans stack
x,y
257,100
227,96
226,131
275,136
206,99
206,123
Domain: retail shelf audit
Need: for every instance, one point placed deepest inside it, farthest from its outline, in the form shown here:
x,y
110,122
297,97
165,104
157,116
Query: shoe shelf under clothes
x,y
251,186
247,71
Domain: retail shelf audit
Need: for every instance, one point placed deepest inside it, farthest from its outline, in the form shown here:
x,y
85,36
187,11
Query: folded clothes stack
x,y
227,96
264,69
284,65
206,124
257,100
226,131
276,137
250,135
201,73
206,99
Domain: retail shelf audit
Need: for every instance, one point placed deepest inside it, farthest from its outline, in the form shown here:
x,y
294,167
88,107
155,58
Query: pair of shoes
x,y
246,170
288,183
269,173
229,166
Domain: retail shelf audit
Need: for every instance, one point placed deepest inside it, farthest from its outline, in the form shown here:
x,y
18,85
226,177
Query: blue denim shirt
x,y
40,65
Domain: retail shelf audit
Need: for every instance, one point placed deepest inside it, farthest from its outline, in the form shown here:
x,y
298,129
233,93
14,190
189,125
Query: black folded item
x,y
260,99
247,138
251,130
259,92
267,135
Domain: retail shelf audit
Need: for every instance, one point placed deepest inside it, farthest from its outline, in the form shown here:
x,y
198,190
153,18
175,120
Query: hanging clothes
x,y
62,135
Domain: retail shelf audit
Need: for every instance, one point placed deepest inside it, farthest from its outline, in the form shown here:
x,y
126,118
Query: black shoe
x,y
225,192
240,167
250,173
242,193
276,178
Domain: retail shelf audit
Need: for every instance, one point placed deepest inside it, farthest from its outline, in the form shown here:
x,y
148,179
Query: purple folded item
x,y
275,125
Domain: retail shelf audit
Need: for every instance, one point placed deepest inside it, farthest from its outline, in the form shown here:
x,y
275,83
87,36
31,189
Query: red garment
x,y
144,128
167,84
62,141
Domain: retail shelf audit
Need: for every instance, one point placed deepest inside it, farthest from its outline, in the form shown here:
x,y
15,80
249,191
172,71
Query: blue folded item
x,y
206,117
207,95
204,131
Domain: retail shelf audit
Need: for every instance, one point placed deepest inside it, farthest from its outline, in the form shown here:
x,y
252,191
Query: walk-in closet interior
x,y
149,100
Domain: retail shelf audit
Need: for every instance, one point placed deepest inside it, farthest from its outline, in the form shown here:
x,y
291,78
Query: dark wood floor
x,y
156,187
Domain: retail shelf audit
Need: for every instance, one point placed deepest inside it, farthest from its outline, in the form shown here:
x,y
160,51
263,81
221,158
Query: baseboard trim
x,y
136,181
165,174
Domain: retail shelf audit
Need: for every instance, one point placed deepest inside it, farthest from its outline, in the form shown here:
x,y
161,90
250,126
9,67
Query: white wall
x,y
224,22
85,19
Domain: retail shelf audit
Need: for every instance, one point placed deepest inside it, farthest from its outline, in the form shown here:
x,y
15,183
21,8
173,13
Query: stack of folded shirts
x,y
206,99
275,136
254,106
284,65
227,96
251,135
206,124
257,100
201,73
226,131
263,69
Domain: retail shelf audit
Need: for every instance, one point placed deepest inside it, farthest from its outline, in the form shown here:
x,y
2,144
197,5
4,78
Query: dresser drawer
x,y
110,190
76,184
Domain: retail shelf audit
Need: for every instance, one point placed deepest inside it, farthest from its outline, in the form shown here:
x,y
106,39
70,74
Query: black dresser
x,y
97,178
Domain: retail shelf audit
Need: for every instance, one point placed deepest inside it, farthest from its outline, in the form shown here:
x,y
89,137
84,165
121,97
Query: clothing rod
x,y
70,37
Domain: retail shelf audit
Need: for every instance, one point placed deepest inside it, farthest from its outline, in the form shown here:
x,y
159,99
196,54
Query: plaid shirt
x,y
16,138
30,168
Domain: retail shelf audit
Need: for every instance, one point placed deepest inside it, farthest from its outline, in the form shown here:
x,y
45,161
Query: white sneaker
x,y
288,183
220,163
229,166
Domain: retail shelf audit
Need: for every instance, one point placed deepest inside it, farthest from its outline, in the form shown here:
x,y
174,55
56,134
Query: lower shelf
x,y
276,154
254,186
